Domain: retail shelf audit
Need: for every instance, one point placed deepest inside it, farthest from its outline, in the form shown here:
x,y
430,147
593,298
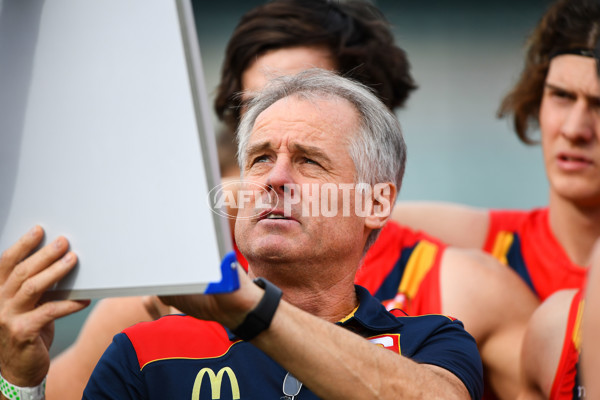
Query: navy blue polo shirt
x,y
180,357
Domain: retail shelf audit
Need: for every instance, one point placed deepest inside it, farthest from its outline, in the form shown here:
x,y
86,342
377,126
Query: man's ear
x,y
384,196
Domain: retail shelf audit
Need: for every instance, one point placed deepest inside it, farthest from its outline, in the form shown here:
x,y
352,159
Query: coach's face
x,y
296,144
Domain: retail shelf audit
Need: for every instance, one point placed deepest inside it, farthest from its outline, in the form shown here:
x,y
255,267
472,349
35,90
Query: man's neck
x,y
315,290
576,228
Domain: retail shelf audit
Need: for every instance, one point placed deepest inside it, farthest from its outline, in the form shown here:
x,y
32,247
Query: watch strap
x,y
261,316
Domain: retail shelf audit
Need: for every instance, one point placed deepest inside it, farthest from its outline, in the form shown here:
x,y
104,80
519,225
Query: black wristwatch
x,y
261,316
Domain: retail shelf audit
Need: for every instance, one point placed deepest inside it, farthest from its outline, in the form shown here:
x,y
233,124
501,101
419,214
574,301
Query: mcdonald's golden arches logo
x,y
215,383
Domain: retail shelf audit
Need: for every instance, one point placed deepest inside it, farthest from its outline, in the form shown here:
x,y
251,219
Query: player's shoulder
x,y
510,219
178,336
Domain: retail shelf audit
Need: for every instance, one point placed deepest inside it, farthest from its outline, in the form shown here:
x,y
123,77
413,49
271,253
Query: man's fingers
x,y
18,251
33,322
30,291
53,310
37,262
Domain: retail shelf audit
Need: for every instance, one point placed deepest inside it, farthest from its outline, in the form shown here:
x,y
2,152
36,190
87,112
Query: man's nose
x,y
280,177
579,123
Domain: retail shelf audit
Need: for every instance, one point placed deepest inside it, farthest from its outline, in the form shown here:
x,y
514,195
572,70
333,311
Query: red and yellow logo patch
x,y
390,341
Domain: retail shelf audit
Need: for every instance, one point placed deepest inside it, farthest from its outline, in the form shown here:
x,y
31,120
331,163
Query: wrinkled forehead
x,y
298,125
309,114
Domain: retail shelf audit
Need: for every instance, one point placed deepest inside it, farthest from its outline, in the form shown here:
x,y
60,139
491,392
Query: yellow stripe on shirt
x,y
420,262
502,244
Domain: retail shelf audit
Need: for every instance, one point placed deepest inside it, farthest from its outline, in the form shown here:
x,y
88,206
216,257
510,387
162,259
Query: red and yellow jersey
x,y
566,385
402,269
524,241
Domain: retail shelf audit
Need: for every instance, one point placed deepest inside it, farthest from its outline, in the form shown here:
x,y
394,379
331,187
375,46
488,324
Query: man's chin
x,y
271,253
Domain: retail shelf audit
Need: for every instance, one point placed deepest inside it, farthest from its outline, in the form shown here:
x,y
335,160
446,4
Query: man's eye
x,y
562,95
260,159
309,161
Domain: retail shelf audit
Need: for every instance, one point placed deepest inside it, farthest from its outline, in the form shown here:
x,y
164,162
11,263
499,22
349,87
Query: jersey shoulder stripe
x,y
176,336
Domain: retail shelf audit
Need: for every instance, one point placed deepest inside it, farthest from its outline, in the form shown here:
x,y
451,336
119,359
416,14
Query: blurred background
x,y
465,55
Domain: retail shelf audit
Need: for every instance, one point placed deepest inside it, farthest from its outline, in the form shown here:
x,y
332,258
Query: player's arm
x,y
495,305
542,345
70,371
456,225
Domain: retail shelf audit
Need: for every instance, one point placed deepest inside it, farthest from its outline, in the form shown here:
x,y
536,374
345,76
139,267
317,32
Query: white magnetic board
x,y
105,137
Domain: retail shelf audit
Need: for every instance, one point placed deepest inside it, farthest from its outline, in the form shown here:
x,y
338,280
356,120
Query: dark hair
x,y
568,24
356,33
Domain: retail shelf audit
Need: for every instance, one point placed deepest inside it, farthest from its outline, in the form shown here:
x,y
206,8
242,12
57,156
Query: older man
x,y
306,133
303,133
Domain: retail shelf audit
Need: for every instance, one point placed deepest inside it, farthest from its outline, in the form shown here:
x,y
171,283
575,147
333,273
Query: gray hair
x,y
377,148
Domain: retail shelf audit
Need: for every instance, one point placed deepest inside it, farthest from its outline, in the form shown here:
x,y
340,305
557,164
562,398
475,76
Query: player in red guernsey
x,y
558,91
550,248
